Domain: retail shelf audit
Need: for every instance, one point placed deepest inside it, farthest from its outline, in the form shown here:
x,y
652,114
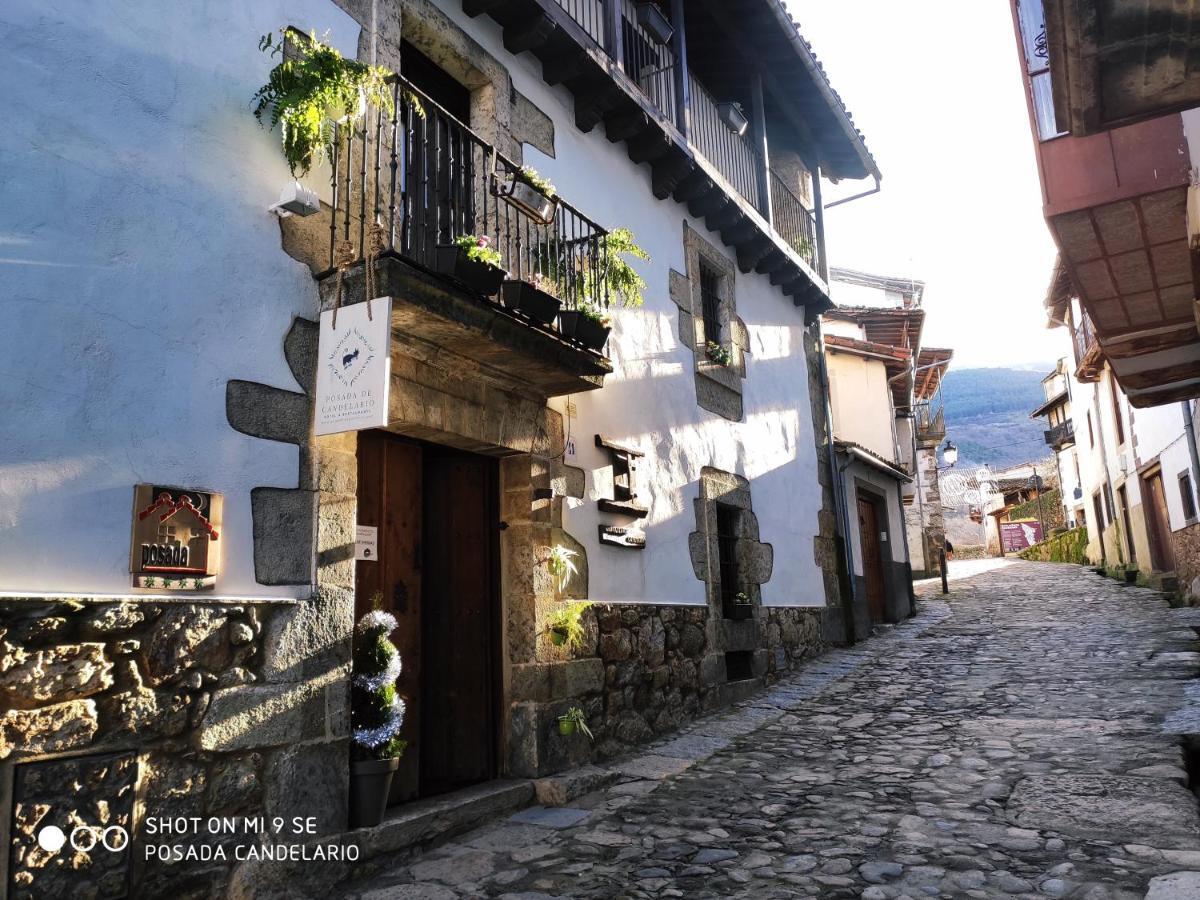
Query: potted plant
x,y
1131,576
473,261
731,113
565,624
376,716
740,607
655,21
560,563
532,193
588,325
314,89
718,353
534,298
570,720
618,279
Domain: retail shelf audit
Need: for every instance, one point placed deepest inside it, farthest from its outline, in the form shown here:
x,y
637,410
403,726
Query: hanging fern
x,y
307,95
621,279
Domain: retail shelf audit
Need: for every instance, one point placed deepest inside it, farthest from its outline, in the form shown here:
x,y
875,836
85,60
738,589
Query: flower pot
x,y
479,276
657,25
733,117
585,330
523,297
558,636
566,727
525,197
370,782
1131,576
740,611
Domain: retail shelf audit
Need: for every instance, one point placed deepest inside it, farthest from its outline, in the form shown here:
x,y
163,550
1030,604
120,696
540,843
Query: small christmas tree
x,y
376,713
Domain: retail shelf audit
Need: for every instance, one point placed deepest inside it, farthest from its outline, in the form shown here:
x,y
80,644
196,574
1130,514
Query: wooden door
x,y
872,559
460,622
389,498
1162,554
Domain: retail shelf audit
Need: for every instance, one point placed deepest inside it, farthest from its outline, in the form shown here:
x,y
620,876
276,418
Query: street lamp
x,y
949,455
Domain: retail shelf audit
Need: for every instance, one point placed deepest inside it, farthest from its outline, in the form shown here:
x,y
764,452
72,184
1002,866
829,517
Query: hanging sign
x,y
354,365
175,534
366,543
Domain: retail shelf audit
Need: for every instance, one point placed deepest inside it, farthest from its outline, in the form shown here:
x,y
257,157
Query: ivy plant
x,y
308,94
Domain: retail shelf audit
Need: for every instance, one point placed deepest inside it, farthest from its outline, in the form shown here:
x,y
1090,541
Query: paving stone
x,y
1007,741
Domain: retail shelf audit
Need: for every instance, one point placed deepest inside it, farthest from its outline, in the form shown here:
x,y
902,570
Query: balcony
x,y
412,182
668,114
1061,436
1089,361
930,424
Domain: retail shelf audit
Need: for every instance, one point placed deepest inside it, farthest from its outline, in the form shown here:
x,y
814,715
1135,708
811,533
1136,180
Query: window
x,y
1186,495
710,300
1037,66
1091,434
727,536
1116,403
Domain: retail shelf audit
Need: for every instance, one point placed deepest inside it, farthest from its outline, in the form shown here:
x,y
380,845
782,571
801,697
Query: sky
x,y
935,86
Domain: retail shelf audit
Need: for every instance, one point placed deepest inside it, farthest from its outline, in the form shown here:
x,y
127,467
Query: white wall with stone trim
x,y
649,403
140,272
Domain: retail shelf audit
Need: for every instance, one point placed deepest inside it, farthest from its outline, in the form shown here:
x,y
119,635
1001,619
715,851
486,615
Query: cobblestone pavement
x,y
1009,743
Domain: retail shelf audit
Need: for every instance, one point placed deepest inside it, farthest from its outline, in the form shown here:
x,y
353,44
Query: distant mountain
x,y
987,415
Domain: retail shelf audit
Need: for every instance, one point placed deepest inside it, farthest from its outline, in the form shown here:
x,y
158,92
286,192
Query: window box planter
x,y
370,781
523,297
657,25
731,114
452,260
525,197
585,330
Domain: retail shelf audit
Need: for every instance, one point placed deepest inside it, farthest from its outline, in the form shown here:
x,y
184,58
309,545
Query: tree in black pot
x,y
376,717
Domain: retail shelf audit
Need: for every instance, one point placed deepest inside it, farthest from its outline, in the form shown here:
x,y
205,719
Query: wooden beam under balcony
x,y
528,35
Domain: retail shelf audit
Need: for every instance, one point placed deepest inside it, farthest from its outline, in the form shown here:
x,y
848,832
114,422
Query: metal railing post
x,y
683,101
760,144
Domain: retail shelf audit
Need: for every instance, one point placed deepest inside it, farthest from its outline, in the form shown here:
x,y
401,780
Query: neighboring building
x,y
926,429
1024,493
1060,437
167,337
870,357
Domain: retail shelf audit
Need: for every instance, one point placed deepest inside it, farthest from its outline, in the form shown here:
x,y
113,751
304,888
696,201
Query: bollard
x,y
945,584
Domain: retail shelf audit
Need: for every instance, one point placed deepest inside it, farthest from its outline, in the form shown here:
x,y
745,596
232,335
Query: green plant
x,y
479,249
619,278
718,353
596,313
565,624
741,598
307,95
561,564
531,177
802,246
376,712
575,718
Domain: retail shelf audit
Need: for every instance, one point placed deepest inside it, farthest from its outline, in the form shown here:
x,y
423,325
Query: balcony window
x,y
1037,66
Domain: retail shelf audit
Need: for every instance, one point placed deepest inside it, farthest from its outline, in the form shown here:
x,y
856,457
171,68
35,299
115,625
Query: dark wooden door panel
x,y
868,530
459,736
389,497
1161,552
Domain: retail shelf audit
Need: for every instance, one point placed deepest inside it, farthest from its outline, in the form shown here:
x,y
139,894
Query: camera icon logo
x,y
84,838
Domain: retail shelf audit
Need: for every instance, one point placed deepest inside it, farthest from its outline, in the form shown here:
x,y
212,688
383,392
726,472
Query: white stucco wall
x,y
862,403
649,403
139,271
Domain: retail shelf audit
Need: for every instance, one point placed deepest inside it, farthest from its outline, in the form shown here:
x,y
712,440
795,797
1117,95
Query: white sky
x,y
935,86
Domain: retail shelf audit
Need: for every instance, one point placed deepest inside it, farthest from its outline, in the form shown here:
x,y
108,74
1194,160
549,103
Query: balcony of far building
x,y
726,103
408,186
929,413
1056,408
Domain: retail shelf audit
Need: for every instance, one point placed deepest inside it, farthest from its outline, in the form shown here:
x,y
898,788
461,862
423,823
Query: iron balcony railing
x,y
427,179
589,15
793,221
731,153
1061,435
930,422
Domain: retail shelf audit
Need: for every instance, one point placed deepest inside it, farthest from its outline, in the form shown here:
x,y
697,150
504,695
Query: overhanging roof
x,y
905,286
1056,400
895,327
932,363
872,459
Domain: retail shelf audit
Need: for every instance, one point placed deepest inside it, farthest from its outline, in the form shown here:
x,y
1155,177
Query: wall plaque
x,y
628,538
354,366
175,538
366,543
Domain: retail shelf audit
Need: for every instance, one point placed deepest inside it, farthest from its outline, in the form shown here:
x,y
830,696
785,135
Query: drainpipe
x,y
839,499
1189,428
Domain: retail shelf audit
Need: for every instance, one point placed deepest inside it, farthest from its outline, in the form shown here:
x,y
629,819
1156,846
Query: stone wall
x,y
187,708
647,670
1186,542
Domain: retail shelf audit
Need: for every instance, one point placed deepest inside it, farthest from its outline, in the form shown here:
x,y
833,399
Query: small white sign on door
x,y
354,365
366,543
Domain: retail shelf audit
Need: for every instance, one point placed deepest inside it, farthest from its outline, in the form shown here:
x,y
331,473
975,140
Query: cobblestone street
x,y
1008,742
